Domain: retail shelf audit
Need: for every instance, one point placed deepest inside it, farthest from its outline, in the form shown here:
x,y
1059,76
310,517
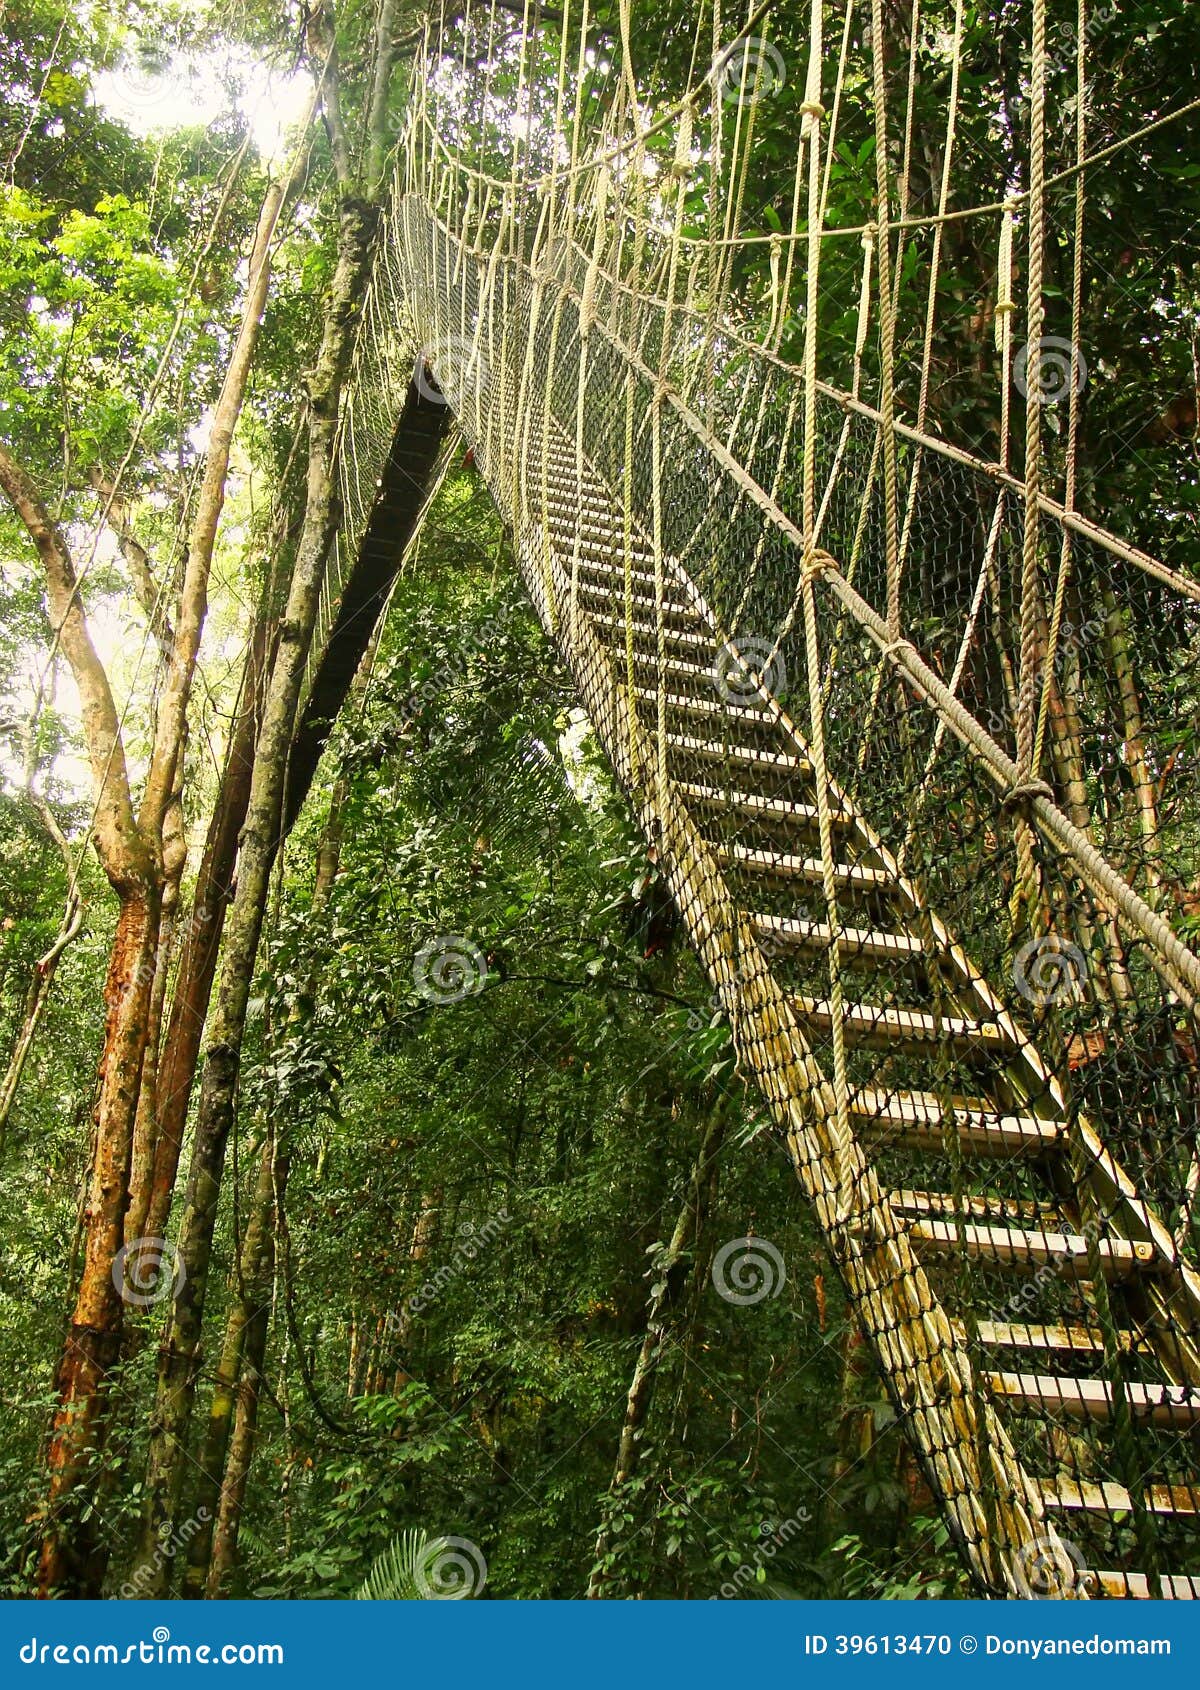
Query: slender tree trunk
x,y
35,1004
253,1292
260,840
245,1425
671,1272
1133,735
198,961
145,1128
246,1305
69,1558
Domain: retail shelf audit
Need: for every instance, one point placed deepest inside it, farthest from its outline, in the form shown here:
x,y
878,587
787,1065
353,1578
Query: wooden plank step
x,y
1106,1497
690,705
1092,1399
595,561
773,762
782,866
903,1029
752,804
854,943
644,604
1064,1340
1018,1248
1169,1587
699,674
916,1119
649,631
998,1210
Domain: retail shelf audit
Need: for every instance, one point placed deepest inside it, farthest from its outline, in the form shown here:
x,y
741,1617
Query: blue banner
x,y
569,1644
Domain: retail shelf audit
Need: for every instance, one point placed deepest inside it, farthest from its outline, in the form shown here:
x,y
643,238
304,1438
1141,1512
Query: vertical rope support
x,y
1027,875
812,113
887,322
656,407
1006,306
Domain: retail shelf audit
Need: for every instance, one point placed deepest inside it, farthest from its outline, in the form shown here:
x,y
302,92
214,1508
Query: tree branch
x,y
118,841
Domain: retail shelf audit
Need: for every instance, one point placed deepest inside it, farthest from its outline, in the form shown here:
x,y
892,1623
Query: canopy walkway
x,y
907,796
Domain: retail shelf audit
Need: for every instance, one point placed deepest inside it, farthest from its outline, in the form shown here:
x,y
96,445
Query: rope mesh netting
x,y
899,714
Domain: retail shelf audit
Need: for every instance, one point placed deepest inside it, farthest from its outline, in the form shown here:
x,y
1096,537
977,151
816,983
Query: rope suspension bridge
x,y
906,785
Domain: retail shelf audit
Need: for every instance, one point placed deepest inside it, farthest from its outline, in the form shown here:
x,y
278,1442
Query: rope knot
x,y
1021,796
816,562
893,646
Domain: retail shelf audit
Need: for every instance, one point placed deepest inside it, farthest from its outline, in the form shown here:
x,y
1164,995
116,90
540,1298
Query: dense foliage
x,y
478,1058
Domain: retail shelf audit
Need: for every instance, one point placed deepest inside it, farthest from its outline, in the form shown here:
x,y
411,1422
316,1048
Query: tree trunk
x,y
671,1271
145,1127
35,1004
198,962
251,1300
179,1355
70,1561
